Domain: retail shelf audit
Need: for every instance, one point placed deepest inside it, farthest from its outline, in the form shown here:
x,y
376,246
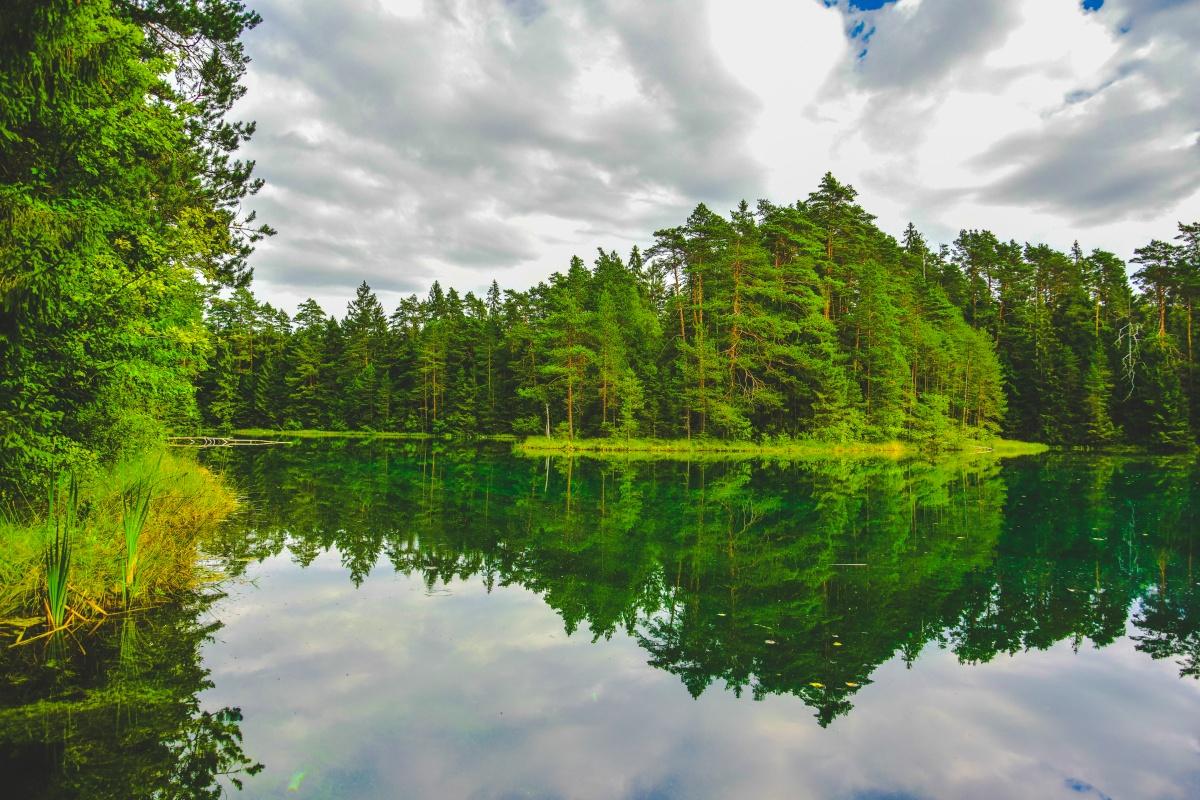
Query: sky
x,y
407,141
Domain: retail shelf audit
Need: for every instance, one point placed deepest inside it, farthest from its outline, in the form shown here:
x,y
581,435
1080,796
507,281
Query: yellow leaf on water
x,y
816,685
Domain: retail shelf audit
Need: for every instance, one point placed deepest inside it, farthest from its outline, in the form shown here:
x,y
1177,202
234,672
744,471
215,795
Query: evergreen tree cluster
x,y
119,204
776,321
1086,357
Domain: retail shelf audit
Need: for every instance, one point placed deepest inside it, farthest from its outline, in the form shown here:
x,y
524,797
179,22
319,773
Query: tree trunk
x,y
1189,331
1162,311
687,412
570,405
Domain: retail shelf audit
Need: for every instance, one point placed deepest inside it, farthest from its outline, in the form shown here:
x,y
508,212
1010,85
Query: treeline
x,y
1086,358
778,321
781,321
119,211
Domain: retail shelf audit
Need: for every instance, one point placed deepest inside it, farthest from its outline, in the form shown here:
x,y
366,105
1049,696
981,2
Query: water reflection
x,y
118,716
763,579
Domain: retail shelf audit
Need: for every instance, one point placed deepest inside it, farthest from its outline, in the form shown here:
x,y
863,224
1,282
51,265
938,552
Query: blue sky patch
x,y
1092,5
872,5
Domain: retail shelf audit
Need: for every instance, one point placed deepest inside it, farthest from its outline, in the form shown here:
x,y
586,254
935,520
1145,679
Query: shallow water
x,y
408,621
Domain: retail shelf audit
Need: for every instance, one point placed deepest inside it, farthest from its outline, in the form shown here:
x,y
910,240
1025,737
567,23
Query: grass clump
x,y
61,517
135,507
130,536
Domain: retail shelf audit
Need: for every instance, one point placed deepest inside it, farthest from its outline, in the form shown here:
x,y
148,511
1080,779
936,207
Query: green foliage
x,y
800,321
62,523
118,205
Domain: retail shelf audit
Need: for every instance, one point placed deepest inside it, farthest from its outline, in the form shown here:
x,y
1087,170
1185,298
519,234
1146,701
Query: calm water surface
x,y
409,621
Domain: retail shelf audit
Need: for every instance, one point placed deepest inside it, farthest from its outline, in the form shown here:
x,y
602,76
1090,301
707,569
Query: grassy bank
x,y
127,538
795,448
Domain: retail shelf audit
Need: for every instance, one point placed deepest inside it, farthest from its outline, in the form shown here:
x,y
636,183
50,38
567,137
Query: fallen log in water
x,y
218,441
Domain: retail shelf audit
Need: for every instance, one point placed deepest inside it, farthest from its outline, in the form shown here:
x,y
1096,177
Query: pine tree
x,y
307,361
1158,275
564,339
362,367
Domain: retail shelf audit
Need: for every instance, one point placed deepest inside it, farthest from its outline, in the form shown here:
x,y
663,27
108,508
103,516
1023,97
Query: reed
x,y
135,507
134,532
61,521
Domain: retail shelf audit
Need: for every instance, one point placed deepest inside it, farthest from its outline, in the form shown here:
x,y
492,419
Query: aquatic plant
x,y
135,507
60,529
123,549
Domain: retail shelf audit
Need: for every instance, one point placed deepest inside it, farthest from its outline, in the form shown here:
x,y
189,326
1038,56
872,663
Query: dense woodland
x,y
120,212
777,321
126,312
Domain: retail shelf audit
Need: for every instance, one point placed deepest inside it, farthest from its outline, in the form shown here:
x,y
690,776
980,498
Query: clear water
x,y
411,621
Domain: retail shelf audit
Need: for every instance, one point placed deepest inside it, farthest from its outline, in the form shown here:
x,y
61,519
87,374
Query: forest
x,y
121,210
801,320
127,311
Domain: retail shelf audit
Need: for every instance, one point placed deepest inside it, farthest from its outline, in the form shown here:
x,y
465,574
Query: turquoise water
x,y
410,621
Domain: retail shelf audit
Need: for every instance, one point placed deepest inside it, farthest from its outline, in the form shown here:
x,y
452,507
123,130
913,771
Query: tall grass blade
x,y
136,508
60,525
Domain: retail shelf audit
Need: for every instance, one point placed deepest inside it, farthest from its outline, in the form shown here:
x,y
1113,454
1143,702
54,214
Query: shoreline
x,y
683,448
316,433
110,571
715,448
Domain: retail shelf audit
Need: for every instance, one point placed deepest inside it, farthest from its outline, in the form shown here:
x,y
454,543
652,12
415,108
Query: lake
x,y
412,620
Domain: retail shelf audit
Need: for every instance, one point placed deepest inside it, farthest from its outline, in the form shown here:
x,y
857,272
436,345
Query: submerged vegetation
x,y
127,537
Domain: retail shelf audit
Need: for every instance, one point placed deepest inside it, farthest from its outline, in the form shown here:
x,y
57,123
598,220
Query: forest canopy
x,y
800,320
120,210
127,312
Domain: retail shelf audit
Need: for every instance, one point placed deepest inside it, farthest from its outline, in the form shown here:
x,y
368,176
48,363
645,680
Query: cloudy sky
x,y
405,141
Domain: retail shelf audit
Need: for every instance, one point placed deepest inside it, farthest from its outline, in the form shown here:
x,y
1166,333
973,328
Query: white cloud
x,y
407,141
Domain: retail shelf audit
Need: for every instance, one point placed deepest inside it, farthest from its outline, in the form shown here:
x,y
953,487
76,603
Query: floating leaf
x,y
816,685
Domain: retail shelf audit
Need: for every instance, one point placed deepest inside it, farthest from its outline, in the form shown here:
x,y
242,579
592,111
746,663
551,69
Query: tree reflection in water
x,y
762,577
121,720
